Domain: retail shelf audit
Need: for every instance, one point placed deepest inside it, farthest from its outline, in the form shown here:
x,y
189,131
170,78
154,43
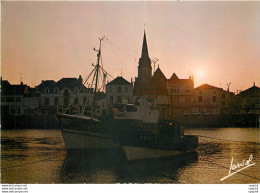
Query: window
x,y
84,100
56,101
76,101
126,89
119,89
188,100
223,103
214,99
200,99
150,100
119,99
111,99
46,101
76,90
110,89
130,108
214,92
223,95
200,92
46,90
56,90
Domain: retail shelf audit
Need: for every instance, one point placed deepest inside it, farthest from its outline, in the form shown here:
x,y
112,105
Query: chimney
x,y
80,79
254,83
21,83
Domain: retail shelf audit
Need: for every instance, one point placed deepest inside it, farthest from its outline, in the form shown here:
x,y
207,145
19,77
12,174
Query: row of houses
x,y
179,98
173,96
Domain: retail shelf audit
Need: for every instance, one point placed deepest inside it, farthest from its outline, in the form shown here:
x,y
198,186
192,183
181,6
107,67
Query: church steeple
x,y
144,68
145,48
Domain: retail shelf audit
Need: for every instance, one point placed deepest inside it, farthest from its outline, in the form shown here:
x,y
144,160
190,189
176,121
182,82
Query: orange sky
x,y
217,42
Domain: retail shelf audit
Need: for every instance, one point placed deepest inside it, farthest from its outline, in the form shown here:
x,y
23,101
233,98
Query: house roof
x,y
207,87
12,89
174,76
252,90
70,83
119,81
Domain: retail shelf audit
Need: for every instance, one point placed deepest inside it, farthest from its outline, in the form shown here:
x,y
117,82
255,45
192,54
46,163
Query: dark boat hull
x,y
136,141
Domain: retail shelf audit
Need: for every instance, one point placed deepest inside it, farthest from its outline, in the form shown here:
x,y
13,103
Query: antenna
x,y
154,62
121,72
228,86
21,73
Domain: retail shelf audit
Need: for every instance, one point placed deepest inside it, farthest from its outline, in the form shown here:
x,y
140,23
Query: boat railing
x,y
76,110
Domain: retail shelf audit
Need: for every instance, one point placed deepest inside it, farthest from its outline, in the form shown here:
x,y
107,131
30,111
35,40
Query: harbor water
x,y
32,156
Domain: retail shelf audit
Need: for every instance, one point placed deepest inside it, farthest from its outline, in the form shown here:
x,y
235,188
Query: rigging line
x,y
106,72
90,87
87,78
228,168
227,139
120,61
116,55
121,49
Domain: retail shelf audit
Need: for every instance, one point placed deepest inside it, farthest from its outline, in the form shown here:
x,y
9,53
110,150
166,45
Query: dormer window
x,y
119,89
56,90
47,90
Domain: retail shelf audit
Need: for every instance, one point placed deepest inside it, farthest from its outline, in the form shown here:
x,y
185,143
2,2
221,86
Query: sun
x,y
201,73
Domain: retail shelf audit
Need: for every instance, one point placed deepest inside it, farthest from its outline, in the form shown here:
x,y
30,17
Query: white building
x,y
67,92
119,91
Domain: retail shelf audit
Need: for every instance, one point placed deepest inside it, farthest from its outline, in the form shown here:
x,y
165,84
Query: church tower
x,y
144,68
142,84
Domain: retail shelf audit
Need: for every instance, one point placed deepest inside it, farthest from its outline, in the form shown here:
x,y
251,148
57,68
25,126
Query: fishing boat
x,y
135,130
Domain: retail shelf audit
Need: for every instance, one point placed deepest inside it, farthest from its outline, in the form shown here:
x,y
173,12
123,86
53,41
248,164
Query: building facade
x,y
18,99
209,99
65,93
118,91
248,101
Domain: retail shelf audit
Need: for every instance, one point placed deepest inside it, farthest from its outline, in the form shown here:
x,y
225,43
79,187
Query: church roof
x,y
159,74
119,81
145,48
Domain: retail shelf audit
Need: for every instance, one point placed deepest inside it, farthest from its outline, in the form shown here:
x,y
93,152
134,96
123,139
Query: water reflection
x,y
39,156
99,168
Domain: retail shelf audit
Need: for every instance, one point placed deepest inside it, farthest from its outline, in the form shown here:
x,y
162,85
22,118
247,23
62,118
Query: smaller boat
x,y
142,135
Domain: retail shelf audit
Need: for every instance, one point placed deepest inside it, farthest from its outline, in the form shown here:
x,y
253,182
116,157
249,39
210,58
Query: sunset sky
x,y
217,42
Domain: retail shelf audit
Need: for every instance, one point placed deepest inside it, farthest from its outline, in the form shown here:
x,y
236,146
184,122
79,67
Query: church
x,y
173,96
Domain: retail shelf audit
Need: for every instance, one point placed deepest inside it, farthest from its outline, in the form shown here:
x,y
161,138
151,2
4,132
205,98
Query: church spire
x,y
145,48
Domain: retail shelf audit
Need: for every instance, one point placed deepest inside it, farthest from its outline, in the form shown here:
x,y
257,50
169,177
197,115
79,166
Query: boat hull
x,y
83,140
134,142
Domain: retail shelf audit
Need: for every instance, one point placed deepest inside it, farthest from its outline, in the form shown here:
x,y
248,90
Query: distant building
x,y
212,100
173,96
67,92
18,99
100,104
181,92
119,91
249,100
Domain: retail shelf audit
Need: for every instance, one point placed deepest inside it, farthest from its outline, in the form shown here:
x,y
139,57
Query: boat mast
x,y
97,70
